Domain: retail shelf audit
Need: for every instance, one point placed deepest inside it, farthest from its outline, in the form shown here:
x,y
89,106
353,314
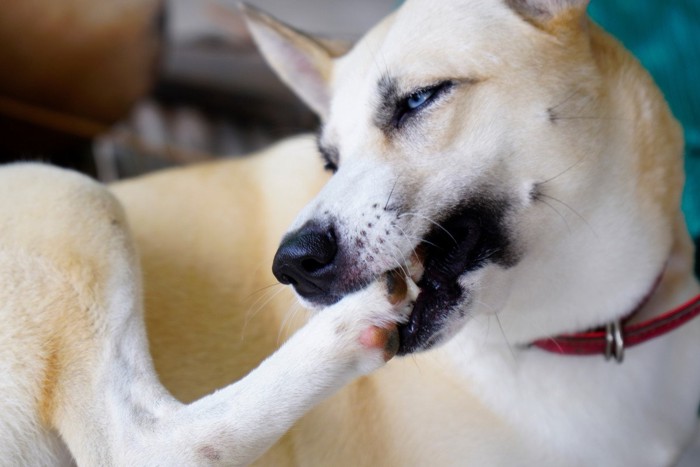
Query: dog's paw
x,y
364,324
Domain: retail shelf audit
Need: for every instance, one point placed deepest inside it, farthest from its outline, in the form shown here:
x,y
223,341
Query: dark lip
x,y
464,241
449,250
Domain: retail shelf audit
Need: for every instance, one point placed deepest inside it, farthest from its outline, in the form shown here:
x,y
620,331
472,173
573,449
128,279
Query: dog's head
x,y
505,153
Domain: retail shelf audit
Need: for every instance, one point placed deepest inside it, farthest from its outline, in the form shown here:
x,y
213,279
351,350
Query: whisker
x,y
391,193
289,316
262,289
505,338
267,294
583,219
416,363
410,237
418,240
582,117
403,267
563,172
250,314
568,98
568,228
556,343
429,220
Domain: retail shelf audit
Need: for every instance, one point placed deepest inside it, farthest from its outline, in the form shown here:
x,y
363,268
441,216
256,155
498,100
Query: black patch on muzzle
x,y
467,239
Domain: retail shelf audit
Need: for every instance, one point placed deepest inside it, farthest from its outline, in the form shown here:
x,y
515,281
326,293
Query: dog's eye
x,y
421,97
418,100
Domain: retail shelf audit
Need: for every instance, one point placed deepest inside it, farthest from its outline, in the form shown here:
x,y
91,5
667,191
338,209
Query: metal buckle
x,y
614,343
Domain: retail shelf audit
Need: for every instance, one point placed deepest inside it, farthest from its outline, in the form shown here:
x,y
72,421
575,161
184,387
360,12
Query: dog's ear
x,y
550,14
304,63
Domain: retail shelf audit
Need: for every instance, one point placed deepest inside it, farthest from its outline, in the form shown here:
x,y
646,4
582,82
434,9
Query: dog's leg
x,y
133,421
73,299
74,348
238,423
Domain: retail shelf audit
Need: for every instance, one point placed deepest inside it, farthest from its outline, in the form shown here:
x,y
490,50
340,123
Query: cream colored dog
x,y
76,363
513,159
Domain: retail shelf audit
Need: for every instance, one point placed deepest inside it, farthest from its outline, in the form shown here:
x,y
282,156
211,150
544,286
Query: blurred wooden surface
x,y
116,88
84,61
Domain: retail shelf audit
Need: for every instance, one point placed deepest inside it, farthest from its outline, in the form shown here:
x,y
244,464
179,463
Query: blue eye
x,y
419,98
412,104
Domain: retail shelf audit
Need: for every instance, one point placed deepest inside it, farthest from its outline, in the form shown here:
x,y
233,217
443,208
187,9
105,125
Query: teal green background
x,y
665,36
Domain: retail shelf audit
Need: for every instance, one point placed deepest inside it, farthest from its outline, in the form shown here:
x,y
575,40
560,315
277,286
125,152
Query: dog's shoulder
x,y
63,237
61,219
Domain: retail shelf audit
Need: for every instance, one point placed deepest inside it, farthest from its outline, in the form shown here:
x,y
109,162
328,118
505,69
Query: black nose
x,y
305,259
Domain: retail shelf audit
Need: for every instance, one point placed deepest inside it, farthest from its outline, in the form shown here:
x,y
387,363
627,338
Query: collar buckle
x,y
614,342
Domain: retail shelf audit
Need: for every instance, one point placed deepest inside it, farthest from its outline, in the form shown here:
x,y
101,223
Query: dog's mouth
x,y
452,248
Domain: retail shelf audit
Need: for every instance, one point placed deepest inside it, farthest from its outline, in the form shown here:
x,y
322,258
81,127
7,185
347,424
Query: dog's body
x,y
79,382
551,164
554,169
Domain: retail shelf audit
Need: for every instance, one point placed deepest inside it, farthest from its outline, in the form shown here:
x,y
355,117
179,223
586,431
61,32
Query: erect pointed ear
x,y
550,14
302,62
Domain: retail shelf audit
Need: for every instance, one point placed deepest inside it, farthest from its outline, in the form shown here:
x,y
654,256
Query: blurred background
x,y
117,88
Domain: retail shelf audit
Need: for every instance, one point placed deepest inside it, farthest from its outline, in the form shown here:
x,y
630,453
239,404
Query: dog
x,y
525,171
79,383
509,159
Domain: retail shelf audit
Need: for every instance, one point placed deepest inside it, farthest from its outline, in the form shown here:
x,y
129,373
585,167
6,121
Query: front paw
x,y
365,322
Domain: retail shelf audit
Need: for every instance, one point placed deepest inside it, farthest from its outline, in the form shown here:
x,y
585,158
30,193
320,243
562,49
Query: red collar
x,y
612,339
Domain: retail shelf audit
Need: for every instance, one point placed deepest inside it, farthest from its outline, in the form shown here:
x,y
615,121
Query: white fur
x,y
543,102
67,260
590,251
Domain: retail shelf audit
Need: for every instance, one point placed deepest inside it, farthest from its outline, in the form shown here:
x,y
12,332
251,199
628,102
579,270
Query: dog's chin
x,y
450,251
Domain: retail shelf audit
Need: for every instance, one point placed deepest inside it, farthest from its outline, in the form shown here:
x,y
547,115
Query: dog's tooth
x,y
416,272
415,265
400,287
412,289
396,286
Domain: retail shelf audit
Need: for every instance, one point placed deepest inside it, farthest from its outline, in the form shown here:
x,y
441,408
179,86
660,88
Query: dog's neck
x,y
529,387
574,293
629,297
678,282
615,337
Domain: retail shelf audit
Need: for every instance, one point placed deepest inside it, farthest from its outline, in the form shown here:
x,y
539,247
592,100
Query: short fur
x,y
79,382
548,119
551,123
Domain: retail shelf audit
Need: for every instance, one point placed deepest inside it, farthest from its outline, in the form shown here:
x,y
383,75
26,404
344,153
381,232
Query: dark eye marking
x,y
330,156
396,109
